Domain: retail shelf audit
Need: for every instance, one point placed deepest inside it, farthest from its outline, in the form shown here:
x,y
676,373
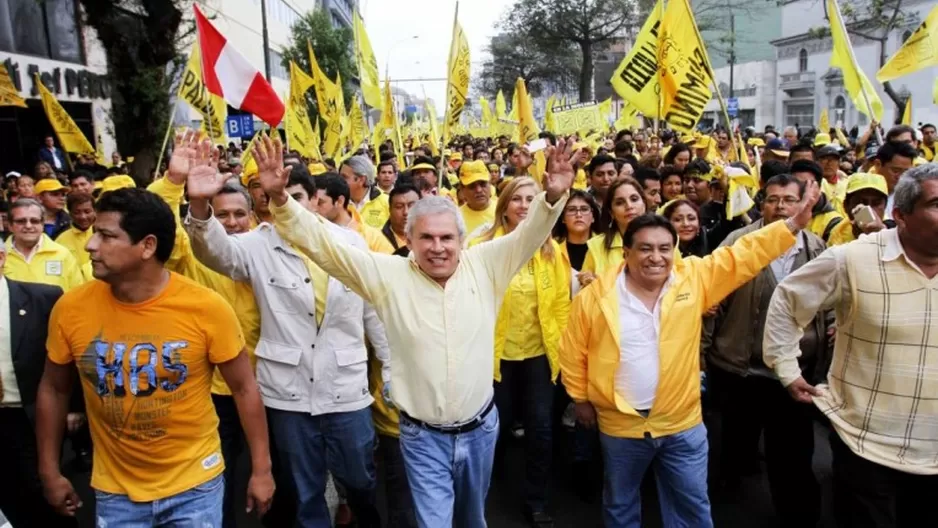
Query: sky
x,y
392,24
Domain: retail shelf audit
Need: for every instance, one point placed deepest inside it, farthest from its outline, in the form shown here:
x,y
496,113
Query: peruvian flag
x,y
227,74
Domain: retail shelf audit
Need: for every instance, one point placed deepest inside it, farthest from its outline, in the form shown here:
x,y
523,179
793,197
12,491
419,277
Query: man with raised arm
x,y
439,308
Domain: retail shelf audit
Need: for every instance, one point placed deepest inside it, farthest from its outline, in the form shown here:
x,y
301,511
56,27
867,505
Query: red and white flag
x,y
226,73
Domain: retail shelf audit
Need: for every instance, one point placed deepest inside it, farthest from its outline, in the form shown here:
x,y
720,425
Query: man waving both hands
x,y
441,372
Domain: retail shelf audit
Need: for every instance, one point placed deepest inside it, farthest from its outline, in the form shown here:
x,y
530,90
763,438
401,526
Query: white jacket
x,y
299,367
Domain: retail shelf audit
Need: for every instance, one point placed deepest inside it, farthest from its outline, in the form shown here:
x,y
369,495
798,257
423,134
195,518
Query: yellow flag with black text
x,y
358,125
70,136
299,131
326,98
367,64
636,80
919,51
213,108
861,91
9,95
686,75
457,78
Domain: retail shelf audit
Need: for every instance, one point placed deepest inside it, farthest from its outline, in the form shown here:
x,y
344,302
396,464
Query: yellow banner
x,y
9,95
686,75
213,108
70,136
919,51
367,64
457,80
574,118
636,78
299,131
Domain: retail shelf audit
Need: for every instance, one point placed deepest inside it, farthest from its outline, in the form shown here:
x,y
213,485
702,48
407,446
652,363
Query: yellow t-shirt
x,y
474,219
524,339
146,372
75,240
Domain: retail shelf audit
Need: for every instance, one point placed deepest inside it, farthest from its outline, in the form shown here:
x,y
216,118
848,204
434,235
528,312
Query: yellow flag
x,y
686,74
501,109
298,129
907,114
487,119
317,141
70,136
367,64
859,88
434,139
388,127
934,92
332,145
457,78
605,108
358,125
527,126
824,124
326,98
626,117
636,78
9,95
213,108
550,124
919,51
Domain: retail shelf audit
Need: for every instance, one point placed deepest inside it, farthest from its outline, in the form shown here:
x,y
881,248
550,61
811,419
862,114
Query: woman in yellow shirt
x,y
530,322
624,201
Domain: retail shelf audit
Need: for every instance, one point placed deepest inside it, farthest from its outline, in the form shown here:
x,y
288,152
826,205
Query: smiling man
x,y
74,238
34,257
630,361
441,376
476,191
51,194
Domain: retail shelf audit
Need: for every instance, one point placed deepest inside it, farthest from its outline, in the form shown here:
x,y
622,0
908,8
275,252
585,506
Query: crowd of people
x,y
423,312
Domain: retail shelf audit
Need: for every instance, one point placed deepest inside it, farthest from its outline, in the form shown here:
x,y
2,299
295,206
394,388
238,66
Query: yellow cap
x,y
473,171
119,181
315,169
249,172
702,142
47,185
865,180
822,140
756,142
688,139
456,156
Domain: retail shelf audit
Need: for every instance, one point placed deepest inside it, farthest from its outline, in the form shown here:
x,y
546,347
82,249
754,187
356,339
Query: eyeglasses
x,y
574,211
788,200
25,221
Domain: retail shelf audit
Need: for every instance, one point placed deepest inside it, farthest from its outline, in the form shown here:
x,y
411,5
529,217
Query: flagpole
x,y
856,68
448,88
169,128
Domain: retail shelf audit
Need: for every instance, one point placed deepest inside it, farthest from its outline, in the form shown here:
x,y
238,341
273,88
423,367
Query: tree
x,y
583,24
140,39
543,68
875,20
333,49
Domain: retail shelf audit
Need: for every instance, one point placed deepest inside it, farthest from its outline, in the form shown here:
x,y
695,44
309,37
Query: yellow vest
x,y
376,211
51,264
75,240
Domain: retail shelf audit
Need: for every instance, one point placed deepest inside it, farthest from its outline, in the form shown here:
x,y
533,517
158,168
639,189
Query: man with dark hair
x,y
81,207
601,173
928,142
801,151
650,181
402,198
824,216
655,341
623,149
892,160
901,134
51,194
387,175
145,356
81,182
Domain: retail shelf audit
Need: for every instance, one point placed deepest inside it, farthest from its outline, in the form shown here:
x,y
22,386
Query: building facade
x,y
755,91
47,38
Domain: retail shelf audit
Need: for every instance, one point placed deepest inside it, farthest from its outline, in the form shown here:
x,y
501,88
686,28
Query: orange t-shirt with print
x,y
146,373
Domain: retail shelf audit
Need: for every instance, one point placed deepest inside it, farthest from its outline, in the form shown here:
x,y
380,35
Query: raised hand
x,y
273,176
204,180
812,193
560,172
185,145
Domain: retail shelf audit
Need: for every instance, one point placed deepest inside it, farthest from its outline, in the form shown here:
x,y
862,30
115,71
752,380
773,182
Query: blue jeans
x,y
530,381
199,507
449,474
341,443
680,465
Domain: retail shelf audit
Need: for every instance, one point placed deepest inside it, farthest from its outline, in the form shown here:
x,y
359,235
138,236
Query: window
x,y
276,66
840,110
803,60
799,114
44,29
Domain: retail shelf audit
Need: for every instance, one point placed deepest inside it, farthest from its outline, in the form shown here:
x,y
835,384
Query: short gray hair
x,y
909,189
20,203
361,166
434,205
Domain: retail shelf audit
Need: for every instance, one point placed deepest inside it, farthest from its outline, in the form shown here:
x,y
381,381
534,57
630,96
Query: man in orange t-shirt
x,y
146,342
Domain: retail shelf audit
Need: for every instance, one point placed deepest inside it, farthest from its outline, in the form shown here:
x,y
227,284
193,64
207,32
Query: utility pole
x,y
266,40
732,49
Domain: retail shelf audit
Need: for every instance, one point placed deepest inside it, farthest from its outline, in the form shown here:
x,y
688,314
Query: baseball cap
x,y
13,174
249,172
822,139
778,147
456,156
865,180
120,181
423,166
473,171
828,151
702,142
47,185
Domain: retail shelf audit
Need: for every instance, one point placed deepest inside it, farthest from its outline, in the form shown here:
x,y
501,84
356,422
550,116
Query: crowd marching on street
x,y
425,306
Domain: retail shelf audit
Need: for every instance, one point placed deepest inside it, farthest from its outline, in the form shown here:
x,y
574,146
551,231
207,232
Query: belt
x,y
471,425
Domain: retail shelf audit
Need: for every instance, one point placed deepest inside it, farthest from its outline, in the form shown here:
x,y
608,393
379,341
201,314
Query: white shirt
x,y
11,391
27,256
890,203
637,373
781,266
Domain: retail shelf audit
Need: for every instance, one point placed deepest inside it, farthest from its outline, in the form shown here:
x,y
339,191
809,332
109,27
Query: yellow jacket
x,y
589,349
374,238
376,210
75,240
52,264
552,284
599,259
240,295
